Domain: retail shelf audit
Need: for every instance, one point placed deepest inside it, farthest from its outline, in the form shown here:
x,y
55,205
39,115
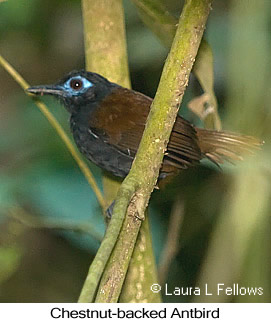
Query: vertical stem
x,y
105,47
105,51
105,39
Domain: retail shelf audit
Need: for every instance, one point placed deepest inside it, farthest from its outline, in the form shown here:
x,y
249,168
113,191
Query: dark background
x,y
225,232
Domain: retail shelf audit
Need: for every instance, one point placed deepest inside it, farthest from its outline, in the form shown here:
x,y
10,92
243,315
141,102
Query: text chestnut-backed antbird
x,y
107,122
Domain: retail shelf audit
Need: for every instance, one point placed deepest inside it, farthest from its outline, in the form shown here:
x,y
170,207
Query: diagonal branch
x,y
135,191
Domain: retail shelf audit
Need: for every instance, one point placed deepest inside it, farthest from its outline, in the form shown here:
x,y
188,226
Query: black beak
x,y
55,90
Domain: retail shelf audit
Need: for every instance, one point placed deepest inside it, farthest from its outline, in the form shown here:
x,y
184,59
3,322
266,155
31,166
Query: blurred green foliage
x,y
225,233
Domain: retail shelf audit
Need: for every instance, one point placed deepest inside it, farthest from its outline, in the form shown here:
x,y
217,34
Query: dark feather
x,y
120,121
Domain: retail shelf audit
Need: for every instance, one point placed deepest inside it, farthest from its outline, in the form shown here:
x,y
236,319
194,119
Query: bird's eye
x,y
76,84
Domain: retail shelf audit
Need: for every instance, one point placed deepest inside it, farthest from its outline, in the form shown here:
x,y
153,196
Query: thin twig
x,y
60,131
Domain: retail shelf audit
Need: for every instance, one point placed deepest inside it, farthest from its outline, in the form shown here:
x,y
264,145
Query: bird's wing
x,y
121,118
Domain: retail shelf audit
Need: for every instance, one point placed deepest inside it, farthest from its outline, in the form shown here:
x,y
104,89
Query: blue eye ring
x,y
77,85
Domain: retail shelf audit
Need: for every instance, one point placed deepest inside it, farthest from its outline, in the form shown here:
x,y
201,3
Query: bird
x,y
107,122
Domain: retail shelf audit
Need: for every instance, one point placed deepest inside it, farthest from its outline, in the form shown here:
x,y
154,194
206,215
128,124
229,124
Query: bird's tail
x,y
220,146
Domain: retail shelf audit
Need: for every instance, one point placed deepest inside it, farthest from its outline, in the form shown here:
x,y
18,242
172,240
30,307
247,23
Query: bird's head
x,y
76,89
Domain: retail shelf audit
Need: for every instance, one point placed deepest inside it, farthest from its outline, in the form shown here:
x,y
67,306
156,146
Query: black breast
x,y
95,148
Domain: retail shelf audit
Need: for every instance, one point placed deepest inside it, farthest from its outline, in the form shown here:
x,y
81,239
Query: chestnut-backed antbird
x,y
107,122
